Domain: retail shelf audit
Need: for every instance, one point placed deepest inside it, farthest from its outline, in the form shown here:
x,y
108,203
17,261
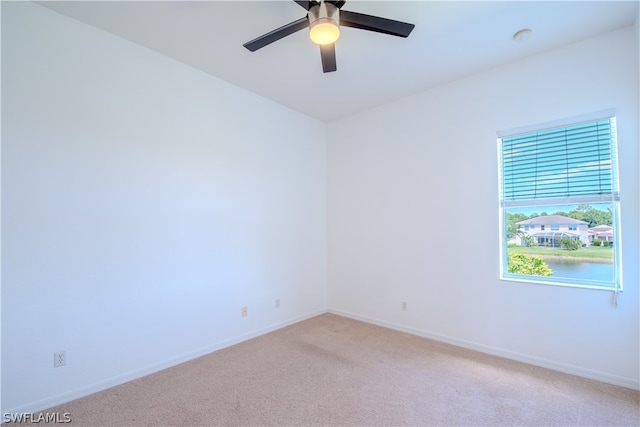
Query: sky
x,y
553,209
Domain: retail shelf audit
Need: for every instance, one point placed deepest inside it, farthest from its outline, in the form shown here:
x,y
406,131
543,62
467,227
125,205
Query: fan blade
x,y
304,3
308,3
375,23
328,54
277,34
337,4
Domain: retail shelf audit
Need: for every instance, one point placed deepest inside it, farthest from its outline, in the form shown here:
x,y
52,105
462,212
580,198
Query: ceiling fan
x,y
324,19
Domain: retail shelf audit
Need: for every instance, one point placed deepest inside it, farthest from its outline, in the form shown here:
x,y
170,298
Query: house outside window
x,y
559,203
604,233
552,238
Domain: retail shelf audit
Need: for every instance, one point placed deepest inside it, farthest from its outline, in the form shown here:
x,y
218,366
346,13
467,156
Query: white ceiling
x,y
451,39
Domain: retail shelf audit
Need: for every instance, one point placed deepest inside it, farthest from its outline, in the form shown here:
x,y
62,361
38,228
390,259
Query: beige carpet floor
x,y
330,370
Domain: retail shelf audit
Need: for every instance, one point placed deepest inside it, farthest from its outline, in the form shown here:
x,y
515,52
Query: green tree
x,y
512,219
529,265
569,244
591,215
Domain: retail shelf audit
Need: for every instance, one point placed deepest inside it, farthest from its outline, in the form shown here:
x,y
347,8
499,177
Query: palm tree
x,y
528,240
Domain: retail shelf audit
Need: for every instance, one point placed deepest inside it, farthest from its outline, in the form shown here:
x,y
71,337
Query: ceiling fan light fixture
x,y
323,23
324,32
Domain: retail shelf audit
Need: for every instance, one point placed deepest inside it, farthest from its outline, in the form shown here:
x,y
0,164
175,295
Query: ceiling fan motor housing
x,y
323,13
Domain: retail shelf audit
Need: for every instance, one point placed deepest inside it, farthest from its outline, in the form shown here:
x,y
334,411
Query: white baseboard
x,y
604,377
139,373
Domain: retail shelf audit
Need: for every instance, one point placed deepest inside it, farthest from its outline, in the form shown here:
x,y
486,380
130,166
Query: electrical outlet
x,y
245,311
59,359
277,303
404,306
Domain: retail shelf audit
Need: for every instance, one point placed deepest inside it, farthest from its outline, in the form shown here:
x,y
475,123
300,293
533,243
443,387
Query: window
x,y
559,203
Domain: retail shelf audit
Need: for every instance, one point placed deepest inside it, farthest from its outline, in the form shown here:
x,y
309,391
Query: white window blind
x,y
564,164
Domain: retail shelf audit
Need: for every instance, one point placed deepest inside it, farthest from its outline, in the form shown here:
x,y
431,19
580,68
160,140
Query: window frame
x,y
616,284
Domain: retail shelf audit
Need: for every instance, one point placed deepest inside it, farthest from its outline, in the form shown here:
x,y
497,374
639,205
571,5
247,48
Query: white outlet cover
x,y
59,359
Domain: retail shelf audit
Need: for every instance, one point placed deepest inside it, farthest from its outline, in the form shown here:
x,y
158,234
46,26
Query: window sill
x,y
569,283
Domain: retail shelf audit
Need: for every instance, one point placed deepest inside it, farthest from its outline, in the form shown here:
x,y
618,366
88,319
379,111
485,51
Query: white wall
x,y
413,213
144,203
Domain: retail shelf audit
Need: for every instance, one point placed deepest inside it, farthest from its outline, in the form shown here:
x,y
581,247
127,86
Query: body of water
x,y
581,270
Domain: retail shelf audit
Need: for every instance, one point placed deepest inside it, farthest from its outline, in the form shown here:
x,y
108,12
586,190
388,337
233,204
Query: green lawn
x,y
591,252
